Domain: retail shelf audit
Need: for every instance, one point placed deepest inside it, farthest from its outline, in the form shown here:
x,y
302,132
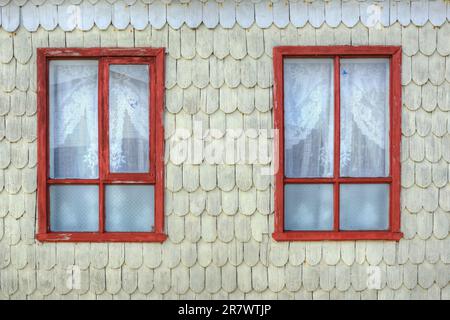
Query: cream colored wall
x,y
219,218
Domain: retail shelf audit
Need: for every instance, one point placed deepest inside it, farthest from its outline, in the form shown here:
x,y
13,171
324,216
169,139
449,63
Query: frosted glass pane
x,y
364,117
74,208
364,207
308,117
129,208
308,207
129,118
73,102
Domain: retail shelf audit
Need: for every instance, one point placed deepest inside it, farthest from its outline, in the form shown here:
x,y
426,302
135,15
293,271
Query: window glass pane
x,y
129,118
308,117
364,207
74,208
73,111
129,208
308,207
364,117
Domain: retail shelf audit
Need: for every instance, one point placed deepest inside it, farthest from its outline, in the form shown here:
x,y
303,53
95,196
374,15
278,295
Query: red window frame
x,y
393,53
154,57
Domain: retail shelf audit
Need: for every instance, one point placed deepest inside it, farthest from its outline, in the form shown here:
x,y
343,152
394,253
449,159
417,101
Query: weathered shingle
x,y
99,255
419,68
162,279
436,68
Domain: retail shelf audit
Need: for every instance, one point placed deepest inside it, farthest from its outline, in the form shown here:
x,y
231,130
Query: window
x,y
337,113
100,147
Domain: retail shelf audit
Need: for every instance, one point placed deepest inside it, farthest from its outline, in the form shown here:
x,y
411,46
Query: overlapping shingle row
x,y
84,14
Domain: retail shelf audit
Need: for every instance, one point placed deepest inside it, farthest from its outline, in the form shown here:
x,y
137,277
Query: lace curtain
x,y
308,117
73,87
74,118
129,118
364,117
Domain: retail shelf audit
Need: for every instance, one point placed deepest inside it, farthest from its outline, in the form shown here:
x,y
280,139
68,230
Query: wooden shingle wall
x,y
219,218
83,14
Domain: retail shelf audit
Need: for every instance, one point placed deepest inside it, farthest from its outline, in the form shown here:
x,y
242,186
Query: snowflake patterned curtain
x,y
309,114
364,117
73,119
308,117
129,118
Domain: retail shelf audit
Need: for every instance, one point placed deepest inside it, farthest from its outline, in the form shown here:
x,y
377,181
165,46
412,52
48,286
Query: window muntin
x,y
339,167
99,132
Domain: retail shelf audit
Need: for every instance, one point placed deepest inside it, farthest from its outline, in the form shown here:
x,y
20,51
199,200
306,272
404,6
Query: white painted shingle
x,y
10,17
180,279
204,41
327,277
247,201
443,47
227,14
45,281
427,39
419,69
157,14
213,279
310,277
113,280
436,12
331,253
162,279
194,14
298,13
401,11
316,13
313,253
419,12
410,40
245,14
152,255
350,13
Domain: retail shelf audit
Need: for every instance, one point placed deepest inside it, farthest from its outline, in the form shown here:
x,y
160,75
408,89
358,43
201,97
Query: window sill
x,y
336,236
101,237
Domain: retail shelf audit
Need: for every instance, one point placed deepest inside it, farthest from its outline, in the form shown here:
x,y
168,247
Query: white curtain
x,y
129,118
309,108
308,117
73,97
364,117
73,119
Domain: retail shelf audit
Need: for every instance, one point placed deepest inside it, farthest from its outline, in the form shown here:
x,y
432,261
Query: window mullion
x,y
337,141
102,137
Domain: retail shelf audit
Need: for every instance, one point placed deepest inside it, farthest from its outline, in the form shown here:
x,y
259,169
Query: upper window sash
x,y
116,167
